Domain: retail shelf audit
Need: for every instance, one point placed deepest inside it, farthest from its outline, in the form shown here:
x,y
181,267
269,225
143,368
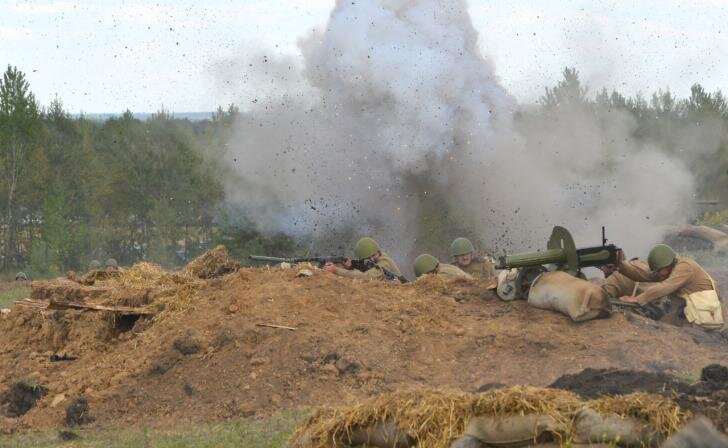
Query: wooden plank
x,y
93,307
277,326
53,305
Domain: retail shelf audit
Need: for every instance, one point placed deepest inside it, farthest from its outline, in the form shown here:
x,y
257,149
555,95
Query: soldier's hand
x,y
330,267
620,257
347,263
629,299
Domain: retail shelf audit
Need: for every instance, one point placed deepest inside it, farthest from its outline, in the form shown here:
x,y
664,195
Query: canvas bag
x,y
703,308
514,431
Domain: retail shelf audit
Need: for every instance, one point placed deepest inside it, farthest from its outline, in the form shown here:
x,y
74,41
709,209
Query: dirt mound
x,y
592,383
706,397
258,341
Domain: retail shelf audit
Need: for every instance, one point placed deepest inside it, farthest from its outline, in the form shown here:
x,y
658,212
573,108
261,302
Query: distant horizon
x,y
103,116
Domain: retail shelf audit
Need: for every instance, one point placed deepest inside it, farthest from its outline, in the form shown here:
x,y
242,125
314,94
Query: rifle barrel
x,y
264,258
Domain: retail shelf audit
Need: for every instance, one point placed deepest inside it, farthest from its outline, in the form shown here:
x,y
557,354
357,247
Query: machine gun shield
x,y
562,239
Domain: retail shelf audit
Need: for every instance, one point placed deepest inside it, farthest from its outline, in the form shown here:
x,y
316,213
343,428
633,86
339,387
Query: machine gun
x,y
359,265
561,251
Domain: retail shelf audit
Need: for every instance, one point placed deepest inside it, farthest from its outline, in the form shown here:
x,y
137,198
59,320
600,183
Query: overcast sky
x,y
107,56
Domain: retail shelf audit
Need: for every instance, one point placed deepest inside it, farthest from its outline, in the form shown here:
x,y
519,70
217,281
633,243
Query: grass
x,y
269,433
8,296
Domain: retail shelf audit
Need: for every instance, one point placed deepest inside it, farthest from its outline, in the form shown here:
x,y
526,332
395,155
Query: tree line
x,y
74,189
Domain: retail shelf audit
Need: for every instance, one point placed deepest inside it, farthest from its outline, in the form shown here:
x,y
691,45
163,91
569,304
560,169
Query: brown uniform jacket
x,y
618,285
482,268
373,273
686,278
451,271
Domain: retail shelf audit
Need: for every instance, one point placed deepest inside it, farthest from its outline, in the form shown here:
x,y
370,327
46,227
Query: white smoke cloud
x,y
396,121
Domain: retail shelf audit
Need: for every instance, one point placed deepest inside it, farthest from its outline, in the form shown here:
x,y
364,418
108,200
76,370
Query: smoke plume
x,y
396,127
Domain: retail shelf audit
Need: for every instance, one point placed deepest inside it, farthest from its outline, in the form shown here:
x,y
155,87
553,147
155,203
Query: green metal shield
x,y
562,239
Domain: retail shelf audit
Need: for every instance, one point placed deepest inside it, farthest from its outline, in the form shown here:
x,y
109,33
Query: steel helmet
x,y
461,246
424,264
111,263
365,248
94,264
661,256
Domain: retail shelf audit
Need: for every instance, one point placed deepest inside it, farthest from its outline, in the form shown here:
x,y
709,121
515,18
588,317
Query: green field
x,y
269,433
9,295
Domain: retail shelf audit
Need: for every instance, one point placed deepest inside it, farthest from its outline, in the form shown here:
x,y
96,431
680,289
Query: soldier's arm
x,y
371,274
635,272
681,274
390,265
612,287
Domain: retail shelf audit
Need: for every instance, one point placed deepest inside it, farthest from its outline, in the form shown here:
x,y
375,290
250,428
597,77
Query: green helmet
x,y
461,246
365,248
21,276
425,263
94,264
111,263
661,256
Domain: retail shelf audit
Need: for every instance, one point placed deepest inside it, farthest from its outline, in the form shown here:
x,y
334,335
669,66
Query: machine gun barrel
x,y
531,259
562,251
270,259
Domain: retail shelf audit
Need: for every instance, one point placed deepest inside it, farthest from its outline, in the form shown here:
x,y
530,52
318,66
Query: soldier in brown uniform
x,y
692,291
618,285
428,264
367,249
463,254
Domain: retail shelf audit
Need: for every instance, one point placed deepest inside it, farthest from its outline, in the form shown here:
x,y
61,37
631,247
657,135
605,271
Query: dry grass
x,y
661,414
436,417
211,264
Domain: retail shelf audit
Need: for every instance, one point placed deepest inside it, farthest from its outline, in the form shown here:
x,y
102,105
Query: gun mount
x,y
560,251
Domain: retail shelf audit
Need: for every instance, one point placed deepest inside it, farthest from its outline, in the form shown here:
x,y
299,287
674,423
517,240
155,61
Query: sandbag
x,y
467,441
471,442
572,445
591,427
577,298
514,431
380,435
506,288
699,433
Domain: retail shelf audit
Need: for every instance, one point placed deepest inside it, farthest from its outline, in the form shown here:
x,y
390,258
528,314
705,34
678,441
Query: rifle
x,y
561,251
359,265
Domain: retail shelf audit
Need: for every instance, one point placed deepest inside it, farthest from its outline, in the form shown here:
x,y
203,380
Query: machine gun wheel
x,y
525,277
